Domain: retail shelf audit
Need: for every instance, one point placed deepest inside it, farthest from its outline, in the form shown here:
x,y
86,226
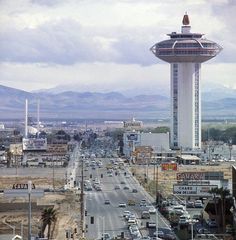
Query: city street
x,y
108,218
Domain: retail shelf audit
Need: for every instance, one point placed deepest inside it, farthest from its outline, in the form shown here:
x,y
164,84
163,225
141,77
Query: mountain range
x,y
111,105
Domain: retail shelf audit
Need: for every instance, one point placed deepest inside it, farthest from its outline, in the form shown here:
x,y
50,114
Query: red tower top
x,y
185,19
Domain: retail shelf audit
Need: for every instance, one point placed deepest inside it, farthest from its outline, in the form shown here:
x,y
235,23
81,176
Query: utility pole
x,y
157,195
29,212
82,212
53,174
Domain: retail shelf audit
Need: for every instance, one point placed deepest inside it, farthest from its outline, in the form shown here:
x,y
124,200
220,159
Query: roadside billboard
x,y
190,176
169,167
193,190
57,149
34,144
133,124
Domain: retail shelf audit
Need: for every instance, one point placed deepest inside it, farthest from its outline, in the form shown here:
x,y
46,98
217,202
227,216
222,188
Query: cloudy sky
x,y
103,45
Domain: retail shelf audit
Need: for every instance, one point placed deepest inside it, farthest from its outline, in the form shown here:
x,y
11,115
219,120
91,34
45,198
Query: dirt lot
x,y
15,214
166,179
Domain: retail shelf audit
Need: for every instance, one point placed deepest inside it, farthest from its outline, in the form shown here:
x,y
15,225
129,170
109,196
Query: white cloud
x,y
109,39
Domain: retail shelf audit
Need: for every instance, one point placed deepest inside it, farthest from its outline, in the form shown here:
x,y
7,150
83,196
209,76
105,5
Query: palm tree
x,y
49,215
223,193
215,191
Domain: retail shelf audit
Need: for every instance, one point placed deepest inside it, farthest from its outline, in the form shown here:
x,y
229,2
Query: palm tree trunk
x,y
216,212
49,230
223,214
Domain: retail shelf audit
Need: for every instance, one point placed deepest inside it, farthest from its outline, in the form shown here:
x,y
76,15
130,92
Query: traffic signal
x,y
92,220
85,212
91,176
125,173
101,175
122,235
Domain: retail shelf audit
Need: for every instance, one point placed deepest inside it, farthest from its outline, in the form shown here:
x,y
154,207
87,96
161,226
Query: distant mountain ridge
x,y
95,105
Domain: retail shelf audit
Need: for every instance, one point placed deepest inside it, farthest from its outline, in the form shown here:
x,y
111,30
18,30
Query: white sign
x,y
34,144
193,190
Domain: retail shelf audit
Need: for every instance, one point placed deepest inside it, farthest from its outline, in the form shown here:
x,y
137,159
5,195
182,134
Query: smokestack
x,y
38,106
26,118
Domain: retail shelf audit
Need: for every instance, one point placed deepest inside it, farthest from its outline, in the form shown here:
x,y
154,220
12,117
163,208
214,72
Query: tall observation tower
x,y
185,52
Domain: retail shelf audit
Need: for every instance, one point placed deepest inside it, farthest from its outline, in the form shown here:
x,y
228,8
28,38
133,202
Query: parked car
x,y
190,204
211,223
203,231
198,204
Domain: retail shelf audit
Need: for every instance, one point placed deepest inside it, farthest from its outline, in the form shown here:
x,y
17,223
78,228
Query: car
x,y
106,236
198,204
197,217
126,188
117,187
203,231
134,190
110,175
211,223
151,224
159,234
190,204
145,215
165,233
107,202
122,182
123,205
131,202
152,210
126,213
131,221
98,188
184,220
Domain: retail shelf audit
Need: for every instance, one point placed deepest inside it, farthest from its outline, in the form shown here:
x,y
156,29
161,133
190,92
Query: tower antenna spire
x,y
185,20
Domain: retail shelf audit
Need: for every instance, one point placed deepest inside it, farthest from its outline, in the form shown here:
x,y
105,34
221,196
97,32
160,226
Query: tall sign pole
x,y
29,212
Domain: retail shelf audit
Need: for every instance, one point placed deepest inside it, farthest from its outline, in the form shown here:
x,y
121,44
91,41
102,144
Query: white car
x,y
152,210
122,205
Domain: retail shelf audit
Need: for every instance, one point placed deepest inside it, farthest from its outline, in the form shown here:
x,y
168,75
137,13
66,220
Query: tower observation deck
x,y
185,52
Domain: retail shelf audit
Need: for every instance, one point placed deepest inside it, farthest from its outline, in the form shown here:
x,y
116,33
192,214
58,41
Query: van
x,y
145,215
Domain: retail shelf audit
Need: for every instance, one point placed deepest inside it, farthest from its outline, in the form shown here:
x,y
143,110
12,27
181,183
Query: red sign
x,y
169,166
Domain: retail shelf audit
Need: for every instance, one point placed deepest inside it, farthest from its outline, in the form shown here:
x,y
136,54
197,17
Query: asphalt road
x,y
108,218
